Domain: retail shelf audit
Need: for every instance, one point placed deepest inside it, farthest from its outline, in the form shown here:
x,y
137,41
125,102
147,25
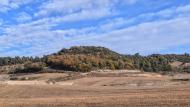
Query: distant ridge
x,y
89,58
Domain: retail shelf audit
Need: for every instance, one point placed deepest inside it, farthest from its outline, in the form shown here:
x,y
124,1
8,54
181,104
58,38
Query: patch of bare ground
x,y
99,89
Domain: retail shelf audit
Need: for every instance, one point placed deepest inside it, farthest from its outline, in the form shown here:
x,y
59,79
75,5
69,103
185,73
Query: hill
x,y
88,58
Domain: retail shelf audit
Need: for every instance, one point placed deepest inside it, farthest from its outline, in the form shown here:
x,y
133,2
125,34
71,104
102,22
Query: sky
x,y
41,27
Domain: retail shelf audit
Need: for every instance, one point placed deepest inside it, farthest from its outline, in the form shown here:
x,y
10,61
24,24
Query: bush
x,y
84,67
30,67
186,69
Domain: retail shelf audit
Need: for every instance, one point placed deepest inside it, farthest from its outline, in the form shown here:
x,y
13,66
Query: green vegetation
x,y
151,63
30,67
20,60
88,58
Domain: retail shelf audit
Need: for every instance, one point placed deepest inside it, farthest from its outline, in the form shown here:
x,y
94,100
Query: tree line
x,y
20,60
88,58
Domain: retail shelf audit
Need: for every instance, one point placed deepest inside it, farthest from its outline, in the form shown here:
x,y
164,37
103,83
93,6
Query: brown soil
x,y
99,90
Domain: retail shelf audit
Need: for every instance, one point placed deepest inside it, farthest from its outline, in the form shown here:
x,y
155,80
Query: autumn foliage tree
x,y
88,58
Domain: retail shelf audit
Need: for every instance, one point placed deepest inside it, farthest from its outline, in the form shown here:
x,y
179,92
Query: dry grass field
x,y
96,89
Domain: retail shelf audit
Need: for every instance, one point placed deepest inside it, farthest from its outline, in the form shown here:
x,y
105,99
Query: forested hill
x,y
88,58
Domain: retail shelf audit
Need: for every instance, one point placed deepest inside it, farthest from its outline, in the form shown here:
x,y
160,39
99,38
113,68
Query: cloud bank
x,y
45,26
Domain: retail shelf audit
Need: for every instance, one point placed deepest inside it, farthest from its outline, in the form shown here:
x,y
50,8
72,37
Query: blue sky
x,y
37,27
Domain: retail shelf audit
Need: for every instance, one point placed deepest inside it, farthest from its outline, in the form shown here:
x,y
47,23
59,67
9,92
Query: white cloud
x,y
145,38
81,9
129,2
1,22
85,15
6,5
22,17
71,6
4,2
38,37
169,13
185,8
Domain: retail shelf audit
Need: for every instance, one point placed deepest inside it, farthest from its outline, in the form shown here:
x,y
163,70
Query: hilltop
x,y
87,58
88,50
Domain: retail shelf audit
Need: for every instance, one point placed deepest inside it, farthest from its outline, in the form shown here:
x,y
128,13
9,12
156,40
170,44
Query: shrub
x,y
30,67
